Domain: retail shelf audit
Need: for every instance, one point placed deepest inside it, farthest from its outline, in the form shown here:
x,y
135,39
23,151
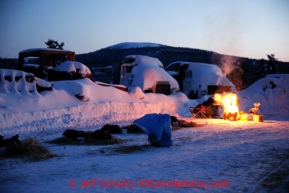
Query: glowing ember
x,y
229,101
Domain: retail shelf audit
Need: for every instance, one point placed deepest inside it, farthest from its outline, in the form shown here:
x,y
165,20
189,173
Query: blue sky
x,y
249,28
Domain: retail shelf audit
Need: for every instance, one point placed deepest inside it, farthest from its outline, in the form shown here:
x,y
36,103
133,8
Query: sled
x,y
199,111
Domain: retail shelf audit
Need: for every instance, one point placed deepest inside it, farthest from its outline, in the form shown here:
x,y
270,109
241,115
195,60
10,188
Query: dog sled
x,y
208,109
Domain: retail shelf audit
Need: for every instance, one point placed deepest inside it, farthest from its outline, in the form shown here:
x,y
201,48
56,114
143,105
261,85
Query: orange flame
x,y
229,101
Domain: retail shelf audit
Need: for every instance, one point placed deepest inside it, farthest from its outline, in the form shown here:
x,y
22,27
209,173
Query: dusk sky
x,y
247,28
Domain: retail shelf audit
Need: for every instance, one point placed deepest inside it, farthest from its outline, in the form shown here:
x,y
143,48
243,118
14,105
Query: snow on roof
x,y
172,73
277,75
206,74
31,65
210,74
143,60
204,67
145,76
127,45
73,66
38,49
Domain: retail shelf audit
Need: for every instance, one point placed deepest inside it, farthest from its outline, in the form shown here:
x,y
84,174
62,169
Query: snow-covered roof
x,y
148,75
31,65
277,75
206,74
143,60
172,73
204,68
41,49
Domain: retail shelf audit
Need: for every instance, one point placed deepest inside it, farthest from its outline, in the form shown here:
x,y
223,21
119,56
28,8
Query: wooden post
x,y
41,64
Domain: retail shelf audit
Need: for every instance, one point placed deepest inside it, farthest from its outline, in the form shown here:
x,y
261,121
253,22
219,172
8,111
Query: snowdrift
x,y
271,93
59,108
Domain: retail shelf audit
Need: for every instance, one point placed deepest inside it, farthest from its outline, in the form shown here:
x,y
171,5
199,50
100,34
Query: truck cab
x,y
148,74
198,79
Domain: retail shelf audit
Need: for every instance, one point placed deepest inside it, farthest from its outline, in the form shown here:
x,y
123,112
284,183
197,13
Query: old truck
x,y
46,59
198,79
147,73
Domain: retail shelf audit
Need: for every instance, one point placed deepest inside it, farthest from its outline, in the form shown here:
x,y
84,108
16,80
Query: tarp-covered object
x,y
157,127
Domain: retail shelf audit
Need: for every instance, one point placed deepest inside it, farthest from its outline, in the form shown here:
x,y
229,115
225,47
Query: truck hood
x,y
145,76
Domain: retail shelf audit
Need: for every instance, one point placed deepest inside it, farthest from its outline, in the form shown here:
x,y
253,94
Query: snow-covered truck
x,y
199,79
147,73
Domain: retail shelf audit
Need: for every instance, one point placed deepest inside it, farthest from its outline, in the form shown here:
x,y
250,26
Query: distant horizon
x,y
146,46
250,29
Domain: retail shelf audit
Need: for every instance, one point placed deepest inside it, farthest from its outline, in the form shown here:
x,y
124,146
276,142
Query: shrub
x,y
29,148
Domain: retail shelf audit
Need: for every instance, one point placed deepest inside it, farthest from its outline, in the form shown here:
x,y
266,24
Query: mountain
x,y
166,54
239,70
128,45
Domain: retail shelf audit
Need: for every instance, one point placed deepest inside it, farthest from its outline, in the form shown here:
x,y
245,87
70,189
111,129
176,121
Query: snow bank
x,y
60,108
271,93
84,116
136,92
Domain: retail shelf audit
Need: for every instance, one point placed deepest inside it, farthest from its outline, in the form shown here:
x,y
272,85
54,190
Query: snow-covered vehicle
x,y
46,58
148,74
199,79
69,70
22,83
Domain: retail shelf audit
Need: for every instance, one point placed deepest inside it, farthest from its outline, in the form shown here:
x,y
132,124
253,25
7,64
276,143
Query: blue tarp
x,y
157,127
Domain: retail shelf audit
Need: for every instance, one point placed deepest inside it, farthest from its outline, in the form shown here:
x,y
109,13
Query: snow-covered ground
x,y
238,155
219,156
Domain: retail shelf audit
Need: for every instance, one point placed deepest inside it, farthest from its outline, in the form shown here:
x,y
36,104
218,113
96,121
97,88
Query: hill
x,y
167,54
241,71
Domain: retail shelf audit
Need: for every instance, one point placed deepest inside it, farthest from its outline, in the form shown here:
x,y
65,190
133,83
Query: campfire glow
x,y
229,102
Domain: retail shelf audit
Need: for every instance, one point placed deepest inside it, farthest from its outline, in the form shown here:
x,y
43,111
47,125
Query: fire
x,y
229,102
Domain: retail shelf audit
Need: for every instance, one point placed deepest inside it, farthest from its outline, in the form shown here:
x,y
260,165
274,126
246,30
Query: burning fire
x,y
229,102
